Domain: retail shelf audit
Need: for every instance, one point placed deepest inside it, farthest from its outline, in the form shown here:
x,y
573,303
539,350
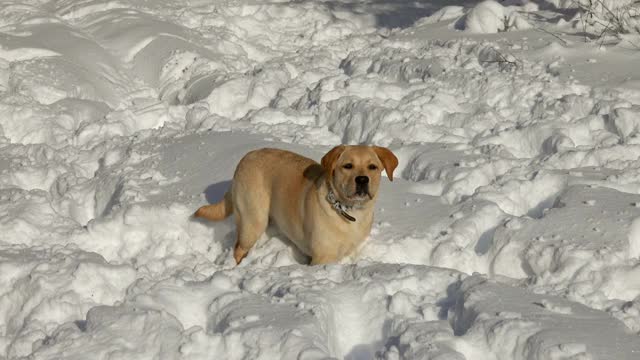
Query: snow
x,y
511,231
491,17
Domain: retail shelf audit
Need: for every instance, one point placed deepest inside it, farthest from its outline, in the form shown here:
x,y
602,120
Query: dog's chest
x,y
345,236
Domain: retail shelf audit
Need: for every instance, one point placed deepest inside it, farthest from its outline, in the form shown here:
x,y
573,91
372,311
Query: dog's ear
x,y
389,160
329,159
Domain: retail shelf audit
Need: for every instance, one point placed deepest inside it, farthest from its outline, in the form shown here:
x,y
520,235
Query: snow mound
x,y
490,17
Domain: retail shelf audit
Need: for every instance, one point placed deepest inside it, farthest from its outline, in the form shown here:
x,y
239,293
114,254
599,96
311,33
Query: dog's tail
x,y
218,211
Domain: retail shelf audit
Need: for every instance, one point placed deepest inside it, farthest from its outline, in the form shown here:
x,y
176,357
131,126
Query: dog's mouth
x,y
357,196
362,191
361,195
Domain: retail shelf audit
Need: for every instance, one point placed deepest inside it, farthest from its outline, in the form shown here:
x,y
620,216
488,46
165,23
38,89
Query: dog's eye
x,y
373,167
348,166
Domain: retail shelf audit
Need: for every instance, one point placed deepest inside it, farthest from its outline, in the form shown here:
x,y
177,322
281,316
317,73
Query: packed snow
x,y
511,231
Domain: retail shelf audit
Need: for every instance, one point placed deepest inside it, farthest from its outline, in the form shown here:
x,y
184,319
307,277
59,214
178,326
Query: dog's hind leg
x,y
249,231
252,219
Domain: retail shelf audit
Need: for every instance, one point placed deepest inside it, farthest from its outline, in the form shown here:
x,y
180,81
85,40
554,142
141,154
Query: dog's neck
x,y
339,207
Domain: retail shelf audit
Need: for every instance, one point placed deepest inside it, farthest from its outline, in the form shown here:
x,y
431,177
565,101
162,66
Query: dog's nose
x,y
361,180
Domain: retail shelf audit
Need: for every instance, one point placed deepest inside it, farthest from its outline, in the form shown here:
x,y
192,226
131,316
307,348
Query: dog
x,y
325,209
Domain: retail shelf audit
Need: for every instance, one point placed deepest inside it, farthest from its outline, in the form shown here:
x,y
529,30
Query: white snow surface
x,y
512,230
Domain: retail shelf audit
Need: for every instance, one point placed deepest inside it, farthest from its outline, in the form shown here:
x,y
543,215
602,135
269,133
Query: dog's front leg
x,y
323,253
324,259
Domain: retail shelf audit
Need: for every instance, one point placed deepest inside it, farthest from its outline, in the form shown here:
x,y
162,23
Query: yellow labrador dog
x,y
325,209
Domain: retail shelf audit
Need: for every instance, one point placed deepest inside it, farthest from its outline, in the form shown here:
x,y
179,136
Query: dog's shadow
x,y
215,193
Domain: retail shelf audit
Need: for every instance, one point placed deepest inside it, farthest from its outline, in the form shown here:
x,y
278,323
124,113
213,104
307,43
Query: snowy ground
x,y
512,231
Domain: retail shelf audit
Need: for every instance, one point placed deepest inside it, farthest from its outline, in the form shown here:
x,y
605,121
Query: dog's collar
x,y
339,207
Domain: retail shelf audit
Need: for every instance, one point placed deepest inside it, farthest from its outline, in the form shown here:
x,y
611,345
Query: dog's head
x,y
354,171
